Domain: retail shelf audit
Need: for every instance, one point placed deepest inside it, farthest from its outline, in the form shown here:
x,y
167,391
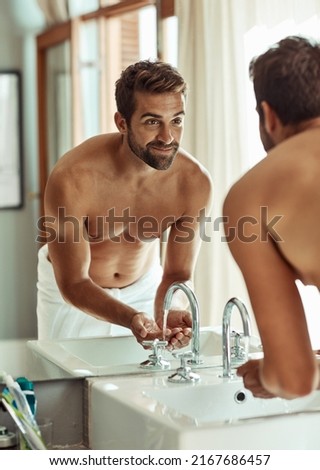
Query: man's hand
x,y
179,325
145,328
250,372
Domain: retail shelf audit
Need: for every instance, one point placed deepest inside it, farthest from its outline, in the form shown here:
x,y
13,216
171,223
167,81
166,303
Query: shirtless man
x,y
107,202
277,249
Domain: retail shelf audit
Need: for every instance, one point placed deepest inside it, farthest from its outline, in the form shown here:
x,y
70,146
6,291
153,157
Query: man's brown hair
x,y
287,77
146,76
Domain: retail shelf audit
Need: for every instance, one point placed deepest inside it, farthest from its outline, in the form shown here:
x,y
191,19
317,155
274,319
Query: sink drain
x,y
240,396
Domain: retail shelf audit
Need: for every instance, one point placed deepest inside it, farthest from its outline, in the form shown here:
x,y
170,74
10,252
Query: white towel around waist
x,y
58,319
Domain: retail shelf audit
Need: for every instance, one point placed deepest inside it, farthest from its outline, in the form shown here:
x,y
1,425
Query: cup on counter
x,y
46,429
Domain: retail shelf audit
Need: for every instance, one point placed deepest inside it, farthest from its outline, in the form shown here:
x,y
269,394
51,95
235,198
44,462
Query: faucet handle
x,y
193,359
155,360
237,338
183,356
184,372
155,344
236,334
238,352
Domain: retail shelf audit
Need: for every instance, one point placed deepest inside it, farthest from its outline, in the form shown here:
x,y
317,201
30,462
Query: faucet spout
x,y
226,334
194,306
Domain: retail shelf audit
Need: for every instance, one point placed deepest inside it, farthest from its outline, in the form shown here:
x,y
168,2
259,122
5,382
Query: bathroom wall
x,y
18,250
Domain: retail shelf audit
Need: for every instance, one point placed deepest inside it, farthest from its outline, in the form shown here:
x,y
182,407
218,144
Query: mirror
x,y
10,140
14,273
63,72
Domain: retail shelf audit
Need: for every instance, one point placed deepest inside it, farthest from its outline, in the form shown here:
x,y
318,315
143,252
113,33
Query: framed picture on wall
x,y
11,178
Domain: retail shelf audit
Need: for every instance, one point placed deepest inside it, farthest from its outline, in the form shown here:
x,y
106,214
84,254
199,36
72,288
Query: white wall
x,y
18,250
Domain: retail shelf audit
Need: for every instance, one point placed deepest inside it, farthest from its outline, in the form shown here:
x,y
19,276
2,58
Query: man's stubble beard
x,y
157,161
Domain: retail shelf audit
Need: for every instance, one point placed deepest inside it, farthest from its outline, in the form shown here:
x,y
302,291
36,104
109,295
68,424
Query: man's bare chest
x,y
135,220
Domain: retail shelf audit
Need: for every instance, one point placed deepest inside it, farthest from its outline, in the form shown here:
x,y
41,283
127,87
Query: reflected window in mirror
x,y
108,46
11,194
256,41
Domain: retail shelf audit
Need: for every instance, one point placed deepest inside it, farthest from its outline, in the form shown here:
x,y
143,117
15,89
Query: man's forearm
x,y
95,301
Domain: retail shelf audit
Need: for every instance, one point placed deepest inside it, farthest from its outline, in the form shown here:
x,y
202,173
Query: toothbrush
x,y
28,432
18,407
21,401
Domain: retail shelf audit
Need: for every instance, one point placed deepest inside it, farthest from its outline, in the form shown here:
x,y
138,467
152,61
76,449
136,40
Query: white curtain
x,y
58,11
54,11
211,57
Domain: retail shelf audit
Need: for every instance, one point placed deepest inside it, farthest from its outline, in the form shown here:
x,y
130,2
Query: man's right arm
x,y
288,367
69,253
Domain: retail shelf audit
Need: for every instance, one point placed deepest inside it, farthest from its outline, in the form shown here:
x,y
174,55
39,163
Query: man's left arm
x,y
181,253
179,264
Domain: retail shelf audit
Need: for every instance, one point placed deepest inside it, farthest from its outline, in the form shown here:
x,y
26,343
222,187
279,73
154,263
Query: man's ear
x,y
270,117
121,123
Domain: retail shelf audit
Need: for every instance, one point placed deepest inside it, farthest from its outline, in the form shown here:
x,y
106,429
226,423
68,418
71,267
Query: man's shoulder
x,y
194,179
192,166
186,157
86,155
102,143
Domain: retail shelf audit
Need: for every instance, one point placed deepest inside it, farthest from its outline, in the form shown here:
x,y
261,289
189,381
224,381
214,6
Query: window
x,y
107,46
258,39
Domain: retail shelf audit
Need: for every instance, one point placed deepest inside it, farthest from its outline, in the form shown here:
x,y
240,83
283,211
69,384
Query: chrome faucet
x,y
184,374
226,334
195,340
155,360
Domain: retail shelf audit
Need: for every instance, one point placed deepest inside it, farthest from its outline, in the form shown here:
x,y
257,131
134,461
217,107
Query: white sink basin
x,y
92,356
116,354
148,412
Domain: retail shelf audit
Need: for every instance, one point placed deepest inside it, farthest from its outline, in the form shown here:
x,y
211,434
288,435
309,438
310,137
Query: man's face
x,y
156,128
